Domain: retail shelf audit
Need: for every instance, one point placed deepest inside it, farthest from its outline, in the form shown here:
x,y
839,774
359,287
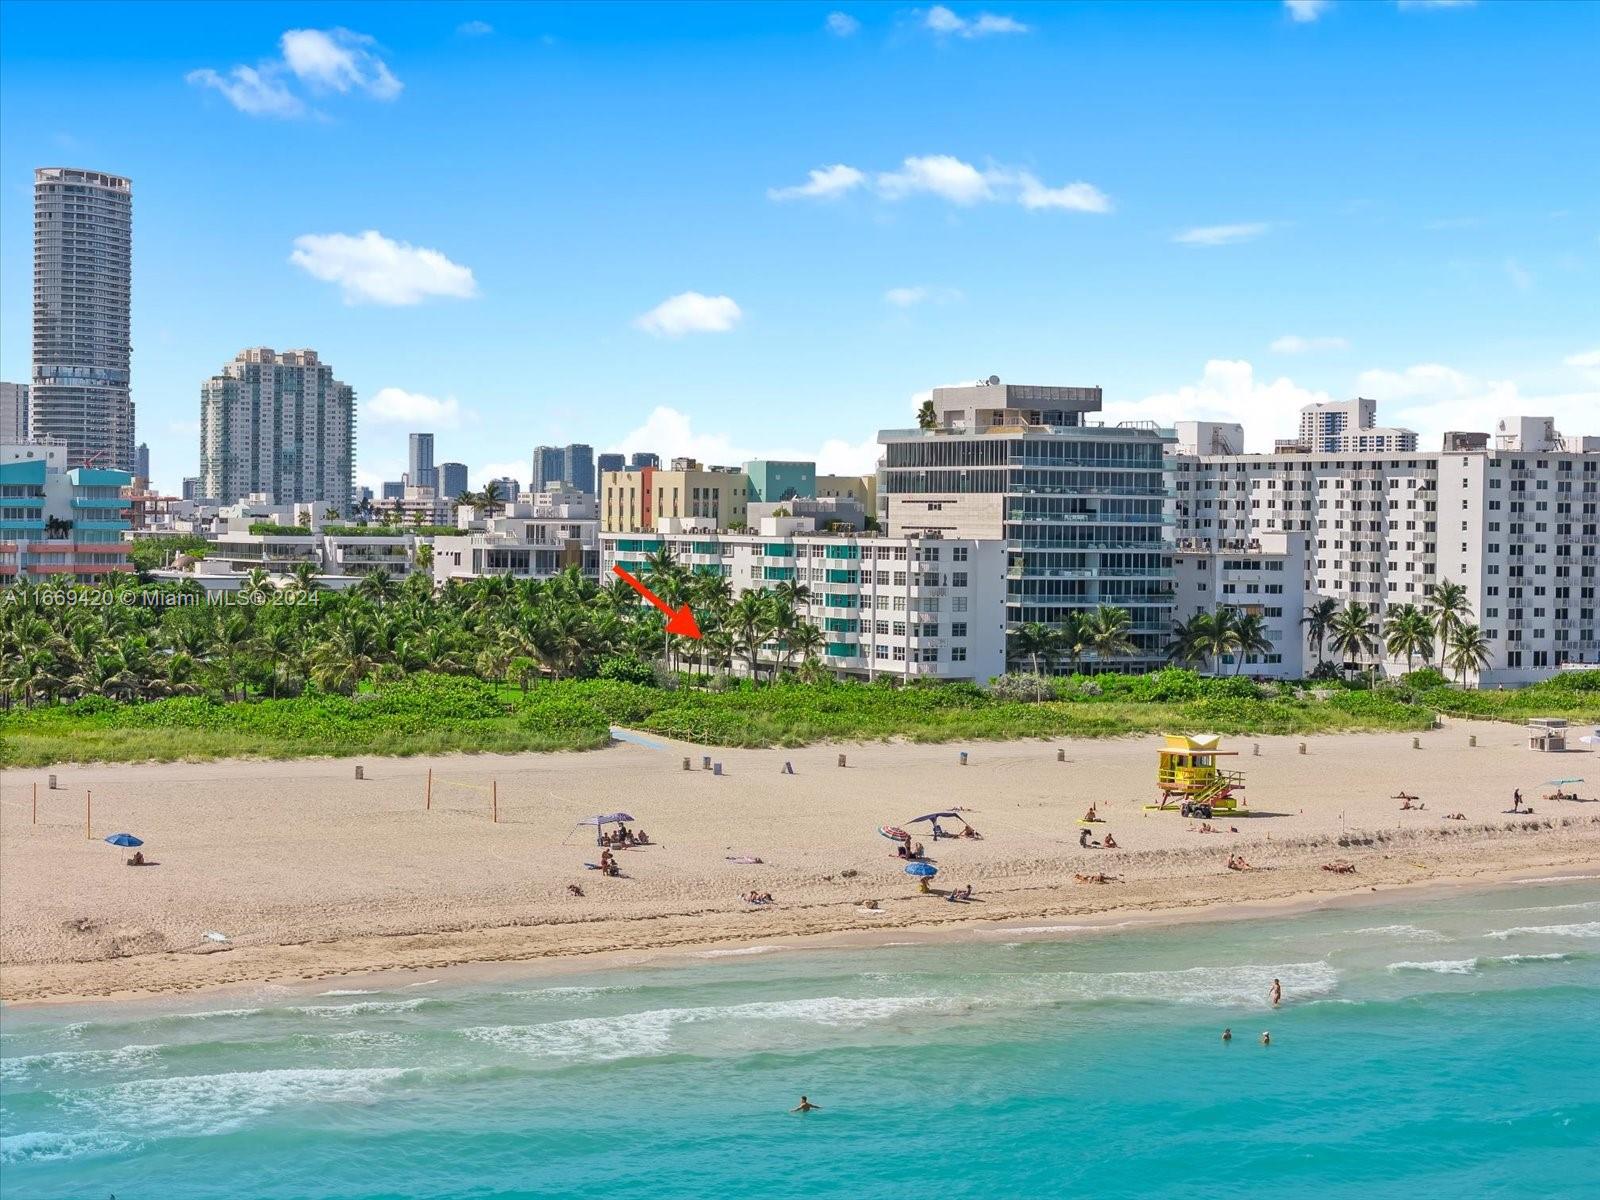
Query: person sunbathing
x,y
641,838
1340,868
903,851
574,890
1090,815
1406,796
916,850
138,859
967,831
1111,843
1236,862
1097,877
1455,816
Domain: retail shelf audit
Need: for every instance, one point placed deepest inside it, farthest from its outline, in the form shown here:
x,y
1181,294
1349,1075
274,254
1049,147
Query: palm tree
x,y
1408,631
1351,632
1317,622
492,499
349,658
1107,630
1031,640
749,619
1072,638
927,416
424,556
1183,647
1447,604
1251,630
1469,651
377,585
1215,634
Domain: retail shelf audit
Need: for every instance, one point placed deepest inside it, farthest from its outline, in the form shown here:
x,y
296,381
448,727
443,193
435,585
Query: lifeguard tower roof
x,y
1202,743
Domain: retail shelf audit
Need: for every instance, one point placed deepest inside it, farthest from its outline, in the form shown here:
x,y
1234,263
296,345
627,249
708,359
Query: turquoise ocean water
x,y
1441,1048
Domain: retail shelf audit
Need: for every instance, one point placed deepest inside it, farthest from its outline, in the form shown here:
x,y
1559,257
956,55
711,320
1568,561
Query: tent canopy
x,y
938,816
607,819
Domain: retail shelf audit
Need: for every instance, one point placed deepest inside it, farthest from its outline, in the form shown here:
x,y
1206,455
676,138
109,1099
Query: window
x,y
958,654
958,579
958,629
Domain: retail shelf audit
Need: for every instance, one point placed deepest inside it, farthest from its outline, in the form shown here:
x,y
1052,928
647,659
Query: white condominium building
x,y
1517,525
528,540
1347,427
919,606
1262,576
279,424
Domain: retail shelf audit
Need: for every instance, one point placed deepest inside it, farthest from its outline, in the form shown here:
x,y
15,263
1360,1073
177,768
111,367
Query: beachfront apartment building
x,y
1348,427
1262,576
281,424
922,606
634,501
1079,507
1515,522
58,522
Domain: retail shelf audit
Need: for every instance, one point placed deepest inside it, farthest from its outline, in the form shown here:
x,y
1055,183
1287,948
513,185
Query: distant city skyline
x,y
1210,223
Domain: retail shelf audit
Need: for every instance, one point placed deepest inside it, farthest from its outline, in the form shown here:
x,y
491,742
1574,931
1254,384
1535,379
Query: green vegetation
x,y
394,667
392,530
150,554
268,527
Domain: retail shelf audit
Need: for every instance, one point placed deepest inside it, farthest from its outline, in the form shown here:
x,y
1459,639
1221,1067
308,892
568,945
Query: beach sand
x,y
311,873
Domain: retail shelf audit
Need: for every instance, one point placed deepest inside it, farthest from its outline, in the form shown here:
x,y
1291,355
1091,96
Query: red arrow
x,y
681,622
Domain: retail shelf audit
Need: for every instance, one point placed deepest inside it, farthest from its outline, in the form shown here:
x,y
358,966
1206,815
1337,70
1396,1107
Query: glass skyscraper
x,y
82,281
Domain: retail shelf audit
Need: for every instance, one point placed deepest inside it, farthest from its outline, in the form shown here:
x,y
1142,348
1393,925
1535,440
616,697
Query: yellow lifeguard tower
x,y
1187,771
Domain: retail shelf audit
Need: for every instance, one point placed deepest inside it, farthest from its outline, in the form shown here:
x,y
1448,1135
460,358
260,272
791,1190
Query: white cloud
x,y
338,60
839,457
258,92
823,183
1588,359
374,269
1433,397
671,433
690,312
1303,11
1221,235
1076,197
941,21
332,60
951,179
842,24
396,406
1228,390
474,29
1520,277
906,297
1293,343
940,174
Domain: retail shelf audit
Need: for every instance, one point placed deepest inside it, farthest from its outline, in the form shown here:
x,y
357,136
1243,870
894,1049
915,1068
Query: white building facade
x,y
1517,526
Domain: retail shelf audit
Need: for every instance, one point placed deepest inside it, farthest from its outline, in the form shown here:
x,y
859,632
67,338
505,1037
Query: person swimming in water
x,y
805,1106
1227,1035
1266,1038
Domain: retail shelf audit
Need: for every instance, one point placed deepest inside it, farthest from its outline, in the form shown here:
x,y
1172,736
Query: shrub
x,y
627,669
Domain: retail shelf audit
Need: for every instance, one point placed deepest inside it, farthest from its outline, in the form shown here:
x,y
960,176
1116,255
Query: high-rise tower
x,y
82,279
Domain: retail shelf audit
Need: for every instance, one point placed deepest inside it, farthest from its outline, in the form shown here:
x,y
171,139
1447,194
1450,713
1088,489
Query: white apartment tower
x,y
1518,525
82,281
1347,427
13,412
278,424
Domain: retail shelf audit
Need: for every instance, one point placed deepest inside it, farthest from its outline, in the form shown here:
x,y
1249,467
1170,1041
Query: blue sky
x,y
518,224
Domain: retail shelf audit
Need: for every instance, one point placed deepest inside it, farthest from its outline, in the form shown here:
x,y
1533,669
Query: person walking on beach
x,y
1277,993
805,1106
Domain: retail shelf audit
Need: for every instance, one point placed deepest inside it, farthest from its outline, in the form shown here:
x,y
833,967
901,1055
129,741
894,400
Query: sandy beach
x,y
311,873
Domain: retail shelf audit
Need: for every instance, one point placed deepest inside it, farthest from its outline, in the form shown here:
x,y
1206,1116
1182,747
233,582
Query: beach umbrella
x,y
1559,782
922,870
938,816
894,833
125,839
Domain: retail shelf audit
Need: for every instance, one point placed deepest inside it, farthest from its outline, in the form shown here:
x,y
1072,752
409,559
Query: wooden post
x,y
494,800
52,783
1061,756
1472,740
1416,743
88,814
686,765
841,760
1302,747
360,771
428,803
1255,750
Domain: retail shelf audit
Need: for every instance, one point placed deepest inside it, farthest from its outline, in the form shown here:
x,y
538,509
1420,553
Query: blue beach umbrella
x,y
1559,782
125,839
922,870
